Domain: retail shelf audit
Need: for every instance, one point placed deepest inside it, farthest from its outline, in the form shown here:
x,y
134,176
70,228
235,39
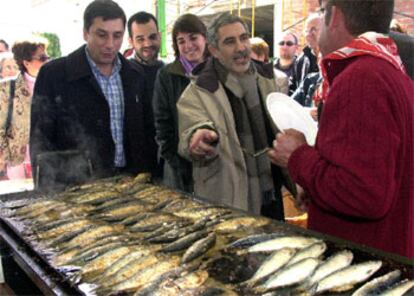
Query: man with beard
x,y
223,122
359,176
145,39
88,110
288,45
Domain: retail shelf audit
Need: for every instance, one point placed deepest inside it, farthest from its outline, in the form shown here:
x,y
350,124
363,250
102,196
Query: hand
x,y
284,145
203,144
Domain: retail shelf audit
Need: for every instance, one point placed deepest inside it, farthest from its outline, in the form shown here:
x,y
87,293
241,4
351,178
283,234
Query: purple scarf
x,y
188,66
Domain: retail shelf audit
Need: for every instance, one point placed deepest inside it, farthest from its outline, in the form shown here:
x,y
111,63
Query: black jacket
x,y
306,63
70,112
169,85
150,75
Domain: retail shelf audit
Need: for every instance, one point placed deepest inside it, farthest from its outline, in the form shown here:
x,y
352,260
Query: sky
x,y
62,17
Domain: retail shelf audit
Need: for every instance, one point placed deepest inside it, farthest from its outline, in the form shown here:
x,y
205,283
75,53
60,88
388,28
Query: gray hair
x,y
3,57
220,21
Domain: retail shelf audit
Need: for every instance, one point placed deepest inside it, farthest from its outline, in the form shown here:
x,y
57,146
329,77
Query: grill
x,y
228,268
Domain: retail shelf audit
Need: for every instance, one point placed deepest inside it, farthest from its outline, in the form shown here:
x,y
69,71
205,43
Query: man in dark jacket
x,y
88,111
307,62
145,40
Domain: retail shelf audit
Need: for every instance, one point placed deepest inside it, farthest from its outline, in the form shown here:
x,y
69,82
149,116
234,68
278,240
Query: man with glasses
x,y
223,123
307,62
288,46
88,111
359,177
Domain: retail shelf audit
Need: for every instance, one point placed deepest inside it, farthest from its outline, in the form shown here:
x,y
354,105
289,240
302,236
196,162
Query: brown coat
x,y
14,140
204,103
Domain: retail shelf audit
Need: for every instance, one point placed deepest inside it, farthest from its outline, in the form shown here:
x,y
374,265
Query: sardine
x,y
128,269
95,198
177,285
33,207
69,226
403,288
201,212
254,239
146,275
177,233
335,262
179,204
185,241
241,222
273,263
199,248
378,285
99,264
153,222
313,251
291,275
91,235
346,278
293,242
123,211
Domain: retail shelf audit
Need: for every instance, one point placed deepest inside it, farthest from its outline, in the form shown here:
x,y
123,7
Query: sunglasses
x,y
43,58
288,43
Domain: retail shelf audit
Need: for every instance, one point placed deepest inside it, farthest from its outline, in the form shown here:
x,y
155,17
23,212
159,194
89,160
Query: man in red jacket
x,y
359,177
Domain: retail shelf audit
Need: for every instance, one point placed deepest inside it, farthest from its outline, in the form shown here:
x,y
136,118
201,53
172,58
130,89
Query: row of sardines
x,y
126,236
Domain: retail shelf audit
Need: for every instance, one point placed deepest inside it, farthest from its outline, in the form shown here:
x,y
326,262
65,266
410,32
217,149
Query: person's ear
x,y
337,17
213,50
85,35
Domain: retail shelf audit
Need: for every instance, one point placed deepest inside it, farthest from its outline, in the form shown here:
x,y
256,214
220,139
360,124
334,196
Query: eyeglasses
x,y
288,43
43,58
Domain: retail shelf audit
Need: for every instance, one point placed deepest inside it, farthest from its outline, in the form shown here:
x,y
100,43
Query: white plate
x,y
287,113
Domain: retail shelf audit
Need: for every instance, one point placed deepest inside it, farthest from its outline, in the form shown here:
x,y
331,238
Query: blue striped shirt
x,y
112,89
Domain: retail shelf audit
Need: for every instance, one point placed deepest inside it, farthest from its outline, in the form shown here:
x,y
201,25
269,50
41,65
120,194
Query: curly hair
x,y
25,49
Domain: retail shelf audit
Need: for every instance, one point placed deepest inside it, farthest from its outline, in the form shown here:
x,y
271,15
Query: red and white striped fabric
x,y
369,43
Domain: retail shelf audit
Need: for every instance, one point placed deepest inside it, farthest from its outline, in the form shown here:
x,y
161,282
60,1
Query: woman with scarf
x,y
189,43
15,102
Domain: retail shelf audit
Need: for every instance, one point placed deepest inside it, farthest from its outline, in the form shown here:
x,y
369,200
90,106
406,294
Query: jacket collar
x,y
208,77
176,68
77,65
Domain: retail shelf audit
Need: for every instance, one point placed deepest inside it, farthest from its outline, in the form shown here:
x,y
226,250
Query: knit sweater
x,y
360,174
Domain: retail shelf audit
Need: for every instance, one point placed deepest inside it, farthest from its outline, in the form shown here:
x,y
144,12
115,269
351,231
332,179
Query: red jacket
x,y
360,174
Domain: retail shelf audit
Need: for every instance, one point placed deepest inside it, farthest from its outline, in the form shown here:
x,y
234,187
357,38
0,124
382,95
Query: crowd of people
x,y
197,123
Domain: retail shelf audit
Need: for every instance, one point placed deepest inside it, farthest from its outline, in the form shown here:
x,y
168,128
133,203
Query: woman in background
x,y
15,102
189,43
8,66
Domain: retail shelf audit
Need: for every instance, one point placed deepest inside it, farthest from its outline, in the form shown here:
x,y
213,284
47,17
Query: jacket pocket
x,y
206,172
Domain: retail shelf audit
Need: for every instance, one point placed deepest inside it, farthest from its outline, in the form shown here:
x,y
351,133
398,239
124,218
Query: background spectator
x,y
15,102
260,49
8,66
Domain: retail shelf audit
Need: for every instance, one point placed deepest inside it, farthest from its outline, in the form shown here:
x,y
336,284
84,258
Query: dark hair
x,y
141,17
295,38
107,9
6,45
187,23
24,51
363,16
221,20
